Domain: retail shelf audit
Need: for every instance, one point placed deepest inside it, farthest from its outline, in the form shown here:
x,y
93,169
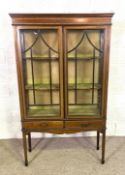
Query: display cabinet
x,y
62,66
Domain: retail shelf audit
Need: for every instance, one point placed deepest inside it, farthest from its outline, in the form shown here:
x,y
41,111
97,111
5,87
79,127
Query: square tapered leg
x,y
25,148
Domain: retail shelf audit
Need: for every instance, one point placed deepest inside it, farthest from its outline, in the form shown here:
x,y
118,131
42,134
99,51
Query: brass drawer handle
x,y
84,124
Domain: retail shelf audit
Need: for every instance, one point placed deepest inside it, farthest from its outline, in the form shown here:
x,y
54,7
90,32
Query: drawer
x,y
84,125
43,125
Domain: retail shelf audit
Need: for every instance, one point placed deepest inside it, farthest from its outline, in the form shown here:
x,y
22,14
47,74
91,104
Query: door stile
x,y
61,78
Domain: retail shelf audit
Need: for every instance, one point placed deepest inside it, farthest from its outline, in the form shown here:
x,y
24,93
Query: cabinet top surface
x,y
61,15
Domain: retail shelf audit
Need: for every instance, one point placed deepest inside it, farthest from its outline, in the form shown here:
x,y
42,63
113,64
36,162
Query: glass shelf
x,y
71,86
83,109
34,111
42,58
42,87
82,56
83,86
46,58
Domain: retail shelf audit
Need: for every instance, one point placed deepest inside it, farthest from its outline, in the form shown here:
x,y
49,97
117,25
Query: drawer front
x,y
43,125
84,125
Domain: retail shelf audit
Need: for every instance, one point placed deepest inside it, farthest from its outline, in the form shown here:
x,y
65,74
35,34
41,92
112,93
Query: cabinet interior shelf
x,y
43,110
91,109
83,58
71,86
42,87
71,58
53,110
42,58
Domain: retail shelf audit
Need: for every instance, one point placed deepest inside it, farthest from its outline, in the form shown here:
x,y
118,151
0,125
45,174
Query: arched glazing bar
x,y
92,43
81,40
42,38
77,44
39,35
30,47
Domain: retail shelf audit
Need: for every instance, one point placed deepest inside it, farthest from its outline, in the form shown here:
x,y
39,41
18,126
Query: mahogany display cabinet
x,y
62,67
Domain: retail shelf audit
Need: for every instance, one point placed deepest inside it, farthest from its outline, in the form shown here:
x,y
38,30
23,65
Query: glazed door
x,y
42,72
83,72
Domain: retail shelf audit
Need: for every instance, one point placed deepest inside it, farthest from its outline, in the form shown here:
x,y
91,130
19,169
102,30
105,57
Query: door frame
x,y
21,89
105,66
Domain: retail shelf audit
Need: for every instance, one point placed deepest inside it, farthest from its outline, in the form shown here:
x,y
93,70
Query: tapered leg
x,y
29,142
25,148
98,139
103,146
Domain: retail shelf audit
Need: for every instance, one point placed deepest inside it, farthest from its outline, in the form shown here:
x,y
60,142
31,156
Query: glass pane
x,y
84,64
40,55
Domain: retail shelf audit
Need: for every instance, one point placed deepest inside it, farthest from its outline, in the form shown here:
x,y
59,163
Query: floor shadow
x,y
41,146
87,143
